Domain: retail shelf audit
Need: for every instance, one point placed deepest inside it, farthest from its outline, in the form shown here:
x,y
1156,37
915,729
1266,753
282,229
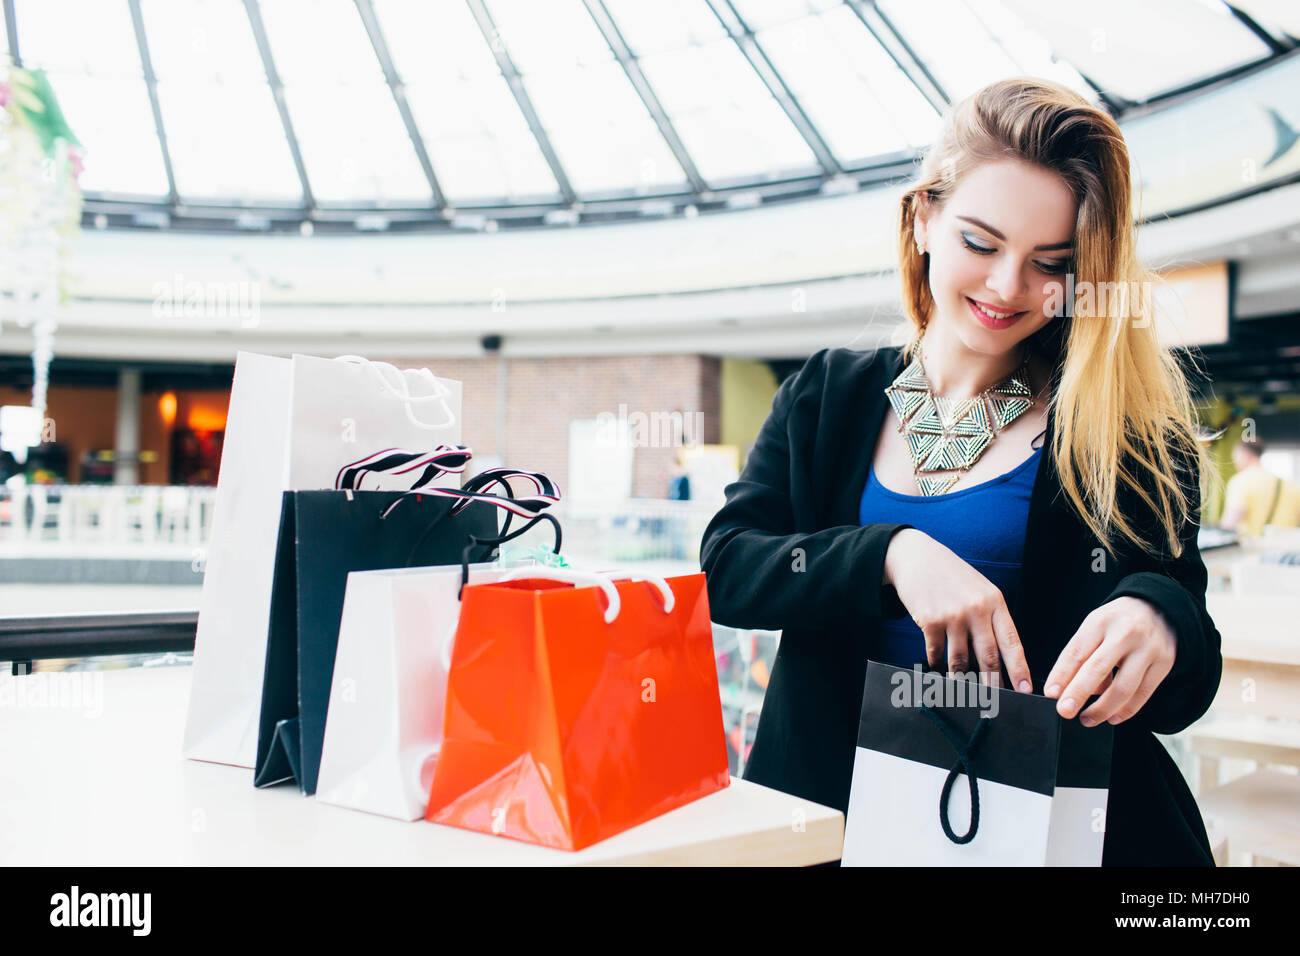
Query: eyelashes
x,y
1060,267
972,246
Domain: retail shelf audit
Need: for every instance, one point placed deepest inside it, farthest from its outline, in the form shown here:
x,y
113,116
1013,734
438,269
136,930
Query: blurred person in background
x,y
1255,497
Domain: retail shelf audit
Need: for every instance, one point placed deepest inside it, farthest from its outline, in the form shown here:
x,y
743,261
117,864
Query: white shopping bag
x,y
293,424
951,773
384,724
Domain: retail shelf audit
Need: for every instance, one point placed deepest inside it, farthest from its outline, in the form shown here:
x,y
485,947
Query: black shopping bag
x,y
325,535
948,772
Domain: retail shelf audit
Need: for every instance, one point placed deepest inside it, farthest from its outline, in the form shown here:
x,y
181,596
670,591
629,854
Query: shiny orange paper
x,y
563,730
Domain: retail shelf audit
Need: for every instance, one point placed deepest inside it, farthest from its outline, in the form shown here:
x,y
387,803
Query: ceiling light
x,y
840,185
246,220
155,218
468,220
749,200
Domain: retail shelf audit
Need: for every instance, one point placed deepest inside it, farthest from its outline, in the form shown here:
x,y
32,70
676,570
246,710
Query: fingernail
x,y
1067,704
1114,720
1025,687
1052,690
1087,721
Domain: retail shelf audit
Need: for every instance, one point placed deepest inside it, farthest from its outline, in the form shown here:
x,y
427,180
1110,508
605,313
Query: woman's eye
x,y
1058,267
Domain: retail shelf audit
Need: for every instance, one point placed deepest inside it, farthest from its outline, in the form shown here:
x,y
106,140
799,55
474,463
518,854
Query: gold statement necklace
x,y
947,436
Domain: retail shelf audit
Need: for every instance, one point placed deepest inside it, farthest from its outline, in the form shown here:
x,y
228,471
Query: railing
x,y
27,639
630,529
635,529
106,514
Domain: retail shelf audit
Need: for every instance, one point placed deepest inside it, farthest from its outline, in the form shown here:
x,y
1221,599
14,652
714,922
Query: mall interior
x,y
594,218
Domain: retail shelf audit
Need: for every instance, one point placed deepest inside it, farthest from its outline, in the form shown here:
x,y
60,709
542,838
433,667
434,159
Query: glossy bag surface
x,y
563,728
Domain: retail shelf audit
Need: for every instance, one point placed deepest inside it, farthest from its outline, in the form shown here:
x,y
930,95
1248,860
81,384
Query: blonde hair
x,y
1124,427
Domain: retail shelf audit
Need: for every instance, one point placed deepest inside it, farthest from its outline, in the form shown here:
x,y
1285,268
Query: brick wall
x,y
544,394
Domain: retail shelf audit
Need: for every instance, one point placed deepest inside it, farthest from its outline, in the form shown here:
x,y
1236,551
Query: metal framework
x,y
282,107
623,53
507,67
884,32
27,639
631,204
1276,45
11,31
151,84
744,38
398,89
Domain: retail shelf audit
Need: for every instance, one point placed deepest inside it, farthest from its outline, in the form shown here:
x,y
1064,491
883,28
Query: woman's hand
x,y
1123,650
955,607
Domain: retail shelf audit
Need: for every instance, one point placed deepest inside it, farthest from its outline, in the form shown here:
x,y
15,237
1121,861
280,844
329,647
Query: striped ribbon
x,y
525,506
445,459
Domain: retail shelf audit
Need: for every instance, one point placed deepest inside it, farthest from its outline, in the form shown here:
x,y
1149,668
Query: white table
x,y
99,781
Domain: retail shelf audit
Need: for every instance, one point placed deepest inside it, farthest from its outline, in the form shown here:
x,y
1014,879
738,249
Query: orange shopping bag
x,y
578,706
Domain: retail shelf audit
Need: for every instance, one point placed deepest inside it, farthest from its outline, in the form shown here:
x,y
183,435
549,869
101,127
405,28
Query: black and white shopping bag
x,y
948,772
326,535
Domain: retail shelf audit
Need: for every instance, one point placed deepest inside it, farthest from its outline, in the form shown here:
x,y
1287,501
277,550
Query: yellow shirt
x,y
1255,490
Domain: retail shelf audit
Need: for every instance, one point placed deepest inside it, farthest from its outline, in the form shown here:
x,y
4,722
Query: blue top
x,y
984,525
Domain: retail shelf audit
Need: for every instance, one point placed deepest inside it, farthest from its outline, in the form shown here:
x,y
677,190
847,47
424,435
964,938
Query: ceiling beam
x,y
282,107
507,67
151,84
632,67
904,57
752,50
1276,45
11,31
398,89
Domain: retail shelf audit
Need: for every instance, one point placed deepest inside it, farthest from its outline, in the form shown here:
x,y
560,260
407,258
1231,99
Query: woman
x,y
879,516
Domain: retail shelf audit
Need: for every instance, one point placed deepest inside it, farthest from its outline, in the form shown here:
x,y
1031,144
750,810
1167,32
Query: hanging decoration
x,y
40,214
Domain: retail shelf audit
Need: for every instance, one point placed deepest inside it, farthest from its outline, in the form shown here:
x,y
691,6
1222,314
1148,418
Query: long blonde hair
x,y
1124,422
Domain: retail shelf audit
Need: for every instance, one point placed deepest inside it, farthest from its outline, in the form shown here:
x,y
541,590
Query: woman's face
x,y
1002,239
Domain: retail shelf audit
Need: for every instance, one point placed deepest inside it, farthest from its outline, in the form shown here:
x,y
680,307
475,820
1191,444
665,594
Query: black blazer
x,y
786,553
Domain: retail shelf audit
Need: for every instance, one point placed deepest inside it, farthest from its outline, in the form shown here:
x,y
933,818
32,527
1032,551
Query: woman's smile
x,y
991,319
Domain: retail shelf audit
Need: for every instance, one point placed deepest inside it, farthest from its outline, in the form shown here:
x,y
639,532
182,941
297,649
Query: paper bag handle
x,y
415,782
665,592
573,576
603,579
475,541
963,765
443,460
528,506
400,388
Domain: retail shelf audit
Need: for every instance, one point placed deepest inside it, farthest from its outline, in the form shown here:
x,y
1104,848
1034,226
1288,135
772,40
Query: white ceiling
x,y
770,282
